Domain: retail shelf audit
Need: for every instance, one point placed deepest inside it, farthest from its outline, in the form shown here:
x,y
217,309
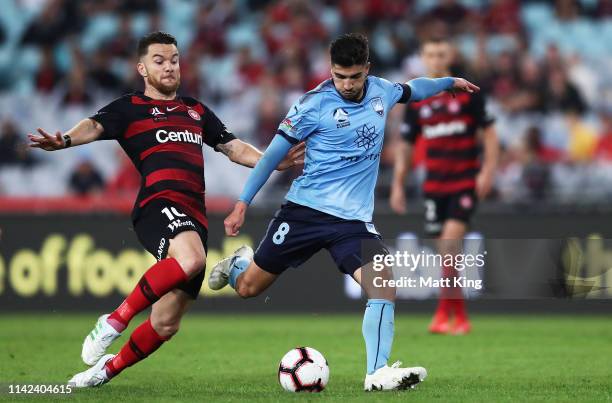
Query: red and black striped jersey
x,y
164,140
448,127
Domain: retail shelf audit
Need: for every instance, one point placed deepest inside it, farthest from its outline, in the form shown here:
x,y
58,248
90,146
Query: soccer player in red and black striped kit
x,y
163,135
453,129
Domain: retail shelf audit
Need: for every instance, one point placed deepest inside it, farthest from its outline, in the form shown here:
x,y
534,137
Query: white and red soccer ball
x,y
303,369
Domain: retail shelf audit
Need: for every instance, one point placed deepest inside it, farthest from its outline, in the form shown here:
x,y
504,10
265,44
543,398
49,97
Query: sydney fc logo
x,y
378,106
341,117
366,136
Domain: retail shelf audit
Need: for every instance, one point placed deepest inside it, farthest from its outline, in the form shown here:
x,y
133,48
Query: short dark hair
x,y
154,37
350,49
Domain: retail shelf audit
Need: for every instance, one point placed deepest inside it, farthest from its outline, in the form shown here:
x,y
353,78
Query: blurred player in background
x,y
452,129
330,205
163,134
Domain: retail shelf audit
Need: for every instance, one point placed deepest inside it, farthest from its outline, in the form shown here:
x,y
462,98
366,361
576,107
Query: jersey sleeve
x,y
480,111
214,130
410,128
301,120
395,92
113,120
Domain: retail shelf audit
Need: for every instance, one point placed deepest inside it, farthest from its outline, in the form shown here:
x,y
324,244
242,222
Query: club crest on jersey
x,y
341,117
378,106
454,106
425,112
194,115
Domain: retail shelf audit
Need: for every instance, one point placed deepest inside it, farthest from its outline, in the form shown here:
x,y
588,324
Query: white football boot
x,y
219,275
98,340
394,378
94,376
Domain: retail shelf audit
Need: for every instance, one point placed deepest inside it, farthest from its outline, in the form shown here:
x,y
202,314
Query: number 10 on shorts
x,y
279,236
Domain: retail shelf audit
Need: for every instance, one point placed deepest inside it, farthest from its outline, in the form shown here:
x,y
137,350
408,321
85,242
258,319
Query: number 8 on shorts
x,y
279,236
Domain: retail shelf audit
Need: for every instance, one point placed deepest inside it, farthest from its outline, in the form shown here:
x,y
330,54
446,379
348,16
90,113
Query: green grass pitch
x,y
234,358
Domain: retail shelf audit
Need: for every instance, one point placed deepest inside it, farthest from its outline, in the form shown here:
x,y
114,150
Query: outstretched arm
x,y
86,131
278,148
422,88
247,155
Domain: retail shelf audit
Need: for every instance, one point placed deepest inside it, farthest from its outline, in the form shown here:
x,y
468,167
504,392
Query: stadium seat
x,y
536,15
98,29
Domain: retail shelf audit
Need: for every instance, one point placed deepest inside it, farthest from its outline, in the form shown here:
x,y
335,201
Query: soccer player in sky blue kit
x,y
330,205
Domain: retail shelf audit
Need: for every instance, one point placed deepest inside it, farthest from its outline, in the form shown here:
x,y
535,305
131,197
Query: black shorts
x,y
157,223
458,206
297,232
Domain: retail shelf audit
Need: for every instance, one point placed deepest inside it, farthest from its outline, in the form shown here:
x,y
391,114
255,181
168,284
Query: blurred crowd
x,y
545,67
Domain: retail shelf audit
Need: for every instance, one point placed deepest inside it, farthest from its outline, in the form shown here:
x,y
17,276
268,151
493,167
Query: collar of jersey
x,y
146,98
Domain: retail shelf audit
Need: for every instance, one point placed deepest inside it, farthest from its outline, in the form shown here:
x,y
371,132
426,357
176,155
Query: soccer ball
x,y
303,369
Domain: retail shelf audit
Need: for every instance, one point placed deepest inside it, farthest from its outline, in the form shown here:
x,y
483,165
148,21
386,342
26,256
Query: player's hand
x,y
397,200
484,184
294,157
461,84
46,141
234,221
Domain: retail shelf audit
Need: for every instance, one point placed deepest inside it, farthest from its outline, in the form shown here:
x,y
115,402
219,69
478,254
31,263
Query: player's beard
x,y
164,88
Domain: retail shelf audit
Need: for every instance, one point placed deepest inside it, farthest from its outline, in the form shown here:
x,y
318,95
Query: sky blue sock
x,y
378,324
238,266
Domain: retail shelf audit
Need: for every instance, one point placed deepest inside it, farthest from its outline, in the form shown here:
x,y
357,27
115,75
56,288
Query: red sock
x,y
444,307
459,309
445,303
162,277
143,341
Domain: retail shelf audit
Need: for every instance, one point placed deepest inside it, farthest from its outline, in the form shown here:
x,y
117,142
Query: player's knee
x,y
166,327
167,331
193,263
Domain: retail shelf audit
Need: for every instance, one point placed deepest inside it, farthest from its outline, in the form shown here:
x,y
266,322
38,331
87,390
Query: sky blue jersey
x,y
344,140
